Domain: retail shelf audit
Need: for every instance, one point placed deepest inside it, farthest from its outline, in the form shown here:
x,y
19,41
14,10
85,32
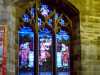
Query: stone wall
x,y
90,35
6,18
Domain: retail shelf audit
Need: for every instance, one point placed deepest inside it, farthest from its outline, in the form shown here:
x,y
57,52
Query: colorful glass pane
x,y
39,21
1,44
45,55
62,22
32,12
26,51
26,18
44,10
62,53
56,16
50,22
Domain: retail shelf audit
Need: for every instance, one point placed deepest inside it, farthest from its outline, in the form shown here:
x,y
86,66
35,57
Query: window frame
x,y
74,30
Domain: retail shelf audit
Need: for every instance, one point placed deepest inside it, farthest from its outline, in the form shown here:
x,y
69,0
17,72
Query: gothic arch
x,y
72,27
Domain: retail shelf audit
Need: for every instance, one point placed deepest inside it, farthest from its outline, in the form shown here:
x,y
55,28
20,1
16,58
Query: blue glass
x,y
44,10
32,12
26,18
50,22
65,35
25,30
56,16
62,22
45,32
39,21
1,45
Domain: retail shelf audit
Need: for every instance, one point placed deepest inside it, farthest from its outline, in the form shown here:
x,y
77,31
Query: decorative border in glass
x,y
3,48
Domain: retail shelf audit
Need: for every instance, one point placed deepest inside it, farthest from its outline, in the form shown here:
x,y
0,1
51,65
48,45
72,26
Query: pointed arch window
x,y
50,32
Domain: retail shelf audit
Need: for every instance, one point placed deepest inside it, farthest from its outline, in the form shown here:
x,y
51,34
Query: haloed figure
x,y
44,53
65,55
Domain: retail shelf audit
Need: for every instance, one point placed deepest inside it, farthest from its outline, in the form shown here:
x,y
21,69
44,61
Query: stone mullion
x,y
54,46
36,70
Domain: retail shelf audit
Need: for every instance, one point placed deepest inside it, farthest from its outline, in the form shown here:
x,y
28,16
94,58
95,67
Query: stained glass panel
x,y
26,51
3,50
62,53
45,52
50,22
26,18
43,17
32,12
39,21
1,45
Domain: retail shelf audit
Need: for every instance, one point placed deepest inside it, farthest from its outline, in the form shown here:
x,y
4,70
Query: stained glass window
x,y
26,50
1,44
3,50
48,22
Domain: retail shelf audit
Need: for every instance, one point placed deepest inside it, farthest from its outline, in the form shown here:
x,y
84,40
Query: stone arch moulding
x,y
72,14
